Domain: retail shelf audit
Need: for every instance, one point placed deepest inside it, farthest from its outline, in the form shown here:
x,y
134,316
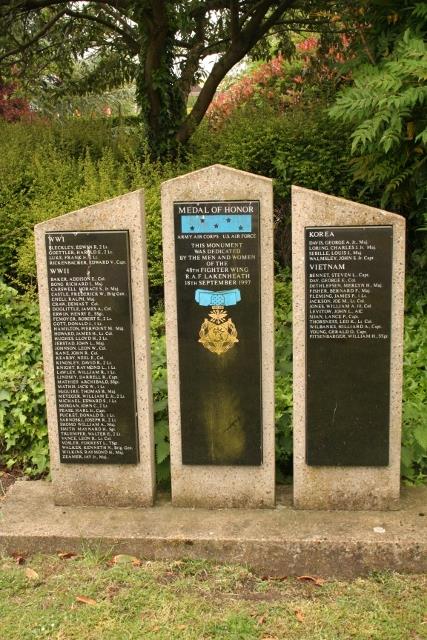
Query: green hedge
x,y
50,169
300,146
23,429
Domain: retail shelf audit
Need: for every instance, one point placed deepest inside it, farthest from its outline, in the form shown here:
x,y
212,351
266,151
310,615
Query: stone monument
x,y
93,289
348,293
218,263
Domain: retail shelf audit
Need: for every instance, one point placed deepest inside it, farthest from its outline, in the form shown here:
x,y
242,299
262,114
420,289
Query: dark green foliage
x,y
160,401
23,430
49,170
414,437
302,146
386,106
283,373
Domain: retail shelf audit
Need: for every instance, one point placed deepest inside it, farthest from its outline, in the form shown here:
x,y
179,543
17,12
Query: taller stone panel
x,y
92,277
348,289
218,263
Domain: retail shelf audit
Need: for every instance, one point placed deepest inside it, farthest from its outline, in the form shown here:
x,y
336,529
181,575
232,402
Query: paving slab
x,y
276,542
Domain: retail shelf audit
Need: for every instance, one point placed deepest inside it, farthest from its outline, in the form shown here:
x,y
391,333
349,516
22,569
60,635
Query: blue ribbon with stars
x,y
216,224
206,298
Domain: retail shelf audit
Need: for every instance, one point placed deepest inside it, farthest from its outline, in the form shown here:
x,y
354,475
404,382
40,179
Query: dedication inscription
x,y
90,301
348,302
218,303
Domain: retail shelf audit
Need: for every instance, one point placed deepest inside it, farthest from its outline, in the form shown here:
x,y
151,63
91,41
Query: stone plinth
x,y
93,289
273,542
218,264
348,292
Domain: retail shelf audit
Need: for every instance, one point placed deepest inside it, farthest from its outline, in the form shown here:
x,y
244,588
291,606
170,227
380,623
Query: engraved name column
x,y
218,259
88,276
92,278
348,273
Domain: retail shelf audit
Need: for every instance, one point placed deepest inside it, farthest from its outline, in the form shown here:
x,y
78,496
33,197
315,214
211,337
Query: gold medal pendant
x,y
218,333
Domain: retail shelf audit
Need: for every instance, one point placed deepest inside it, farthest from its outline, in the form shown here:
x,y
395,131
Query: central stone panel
x,y
217,253
218,266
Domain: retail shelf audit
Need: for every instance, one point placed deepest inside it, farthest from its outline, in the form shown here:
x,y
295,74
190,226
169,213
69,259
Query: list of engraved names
x,y
346,284
88,275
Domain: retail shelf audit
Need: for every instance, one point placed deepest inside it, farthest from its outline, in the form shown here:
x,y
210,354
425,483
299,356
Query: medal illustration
x,y
218,332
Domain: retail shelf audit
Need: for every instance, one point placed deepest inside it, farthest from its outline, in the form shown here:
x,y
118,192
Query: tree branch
x,y
128,38
193,56
234,19
33,5
206,7
248,36
120,18
34,39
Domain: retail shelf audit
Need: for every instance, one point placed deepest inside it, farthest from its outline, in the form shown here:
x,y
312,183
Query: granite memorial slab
x,y
217,232
92,277
348,283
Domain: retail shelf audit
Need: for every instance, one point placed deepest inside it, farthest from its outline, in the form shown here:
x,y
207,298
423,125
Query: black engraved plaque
x,y
91,312
217,252
348,305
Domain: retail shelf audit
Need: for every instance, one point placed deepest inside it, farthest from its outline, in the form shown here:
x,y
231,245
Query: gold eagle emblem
x,y
218,333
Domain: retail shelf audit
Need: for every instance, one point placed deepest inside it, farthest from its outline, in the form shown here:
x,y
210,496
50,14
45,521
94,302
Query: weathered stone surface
x,y
344,487
104,484
277,542
220,484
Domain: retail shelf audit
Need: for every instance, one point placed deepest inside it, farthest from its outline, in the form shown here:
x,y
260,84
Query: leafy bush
x,y
302,146
283,373
46,170
160,402
23,430
49,170
386,108
248,87
414,436
12,106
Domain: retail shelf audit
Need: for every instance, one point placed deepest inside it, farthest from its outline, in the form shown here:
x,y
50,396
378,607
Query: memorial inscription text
x,y
218,302
348,306
90,301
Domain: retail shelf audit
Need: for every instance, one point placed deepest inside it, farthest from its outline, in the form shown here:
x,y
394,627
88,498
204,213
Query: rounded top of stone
x,y
94,209
218,169
337,201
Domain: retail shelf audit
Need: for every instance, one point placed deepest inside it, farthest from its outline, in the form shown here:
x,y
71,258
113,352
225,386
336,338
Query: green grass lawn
x,y
96,597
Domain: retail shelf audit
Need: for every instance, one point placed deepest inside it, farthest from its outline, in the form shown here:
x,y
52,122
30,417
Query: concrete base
x,y
276,542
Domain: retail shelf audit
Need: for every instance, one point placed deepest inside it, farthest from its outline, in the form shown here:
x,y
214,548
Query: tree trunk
x,y
163,107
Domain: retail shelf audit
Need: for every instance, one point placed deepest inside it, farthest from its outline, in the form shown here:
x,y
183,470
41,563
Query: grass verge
x,y
99,597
